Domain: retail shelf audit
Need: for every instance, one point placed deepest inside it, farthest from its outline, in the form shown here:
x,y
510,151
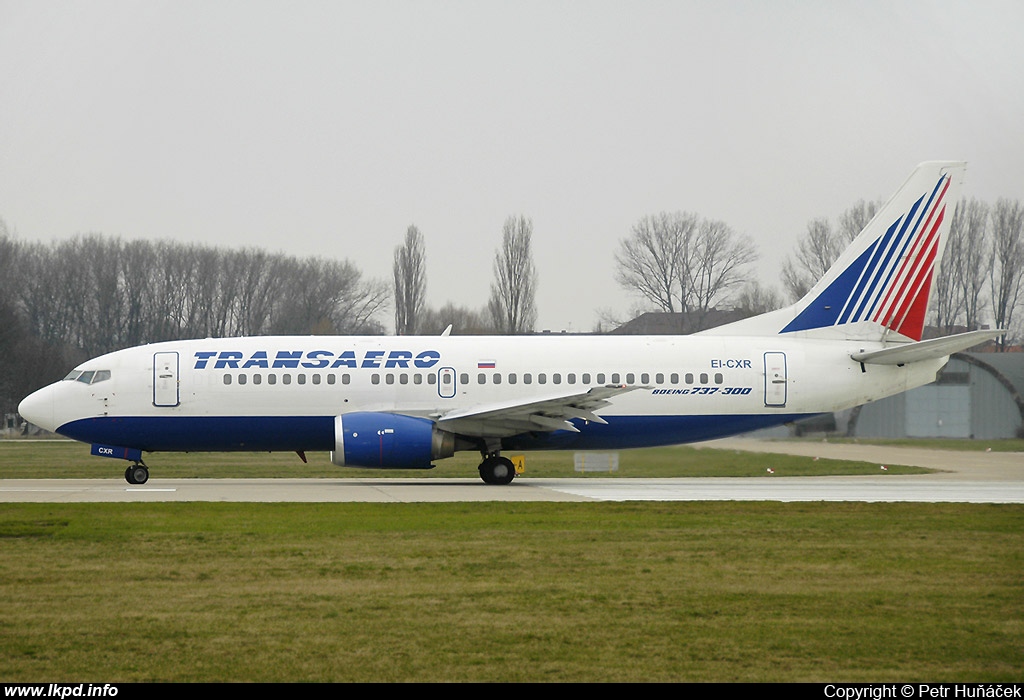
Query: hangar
x,y
977,395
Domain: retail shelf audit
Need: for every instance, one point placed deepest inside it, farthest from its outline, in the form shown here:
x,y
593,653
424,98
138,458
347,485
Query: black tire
x,y
497,471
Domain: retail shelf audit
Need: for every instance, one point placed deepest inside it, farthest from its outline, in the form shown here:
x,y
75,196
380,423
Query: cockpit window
x,y
90,377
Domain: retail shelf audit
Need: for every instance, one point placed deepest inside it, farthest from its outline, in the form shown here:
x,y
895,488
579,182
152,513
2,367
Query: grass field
x,y
511,592
786,592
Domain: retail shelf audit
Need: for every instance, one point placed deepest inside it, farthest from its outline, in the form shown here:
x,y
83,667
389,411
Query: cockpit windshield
x,y
88,376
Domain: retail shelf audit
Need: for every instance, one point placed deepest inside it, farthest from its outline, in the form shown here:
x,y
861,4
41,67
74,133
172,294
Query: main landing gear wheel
x,y
497,470
136,474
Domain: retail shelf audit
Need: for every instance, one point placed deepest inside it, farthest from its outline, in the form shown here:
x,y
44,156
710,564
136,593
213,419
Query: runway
x,y
966,477
864,489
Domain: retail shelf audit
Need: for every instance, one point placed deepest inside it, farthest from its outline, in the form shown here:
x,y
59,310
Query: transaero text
x,y
317,359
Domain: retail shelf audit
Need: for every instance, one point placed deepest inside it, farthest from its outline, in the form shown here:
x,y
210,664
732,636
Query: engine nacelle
x,y
389,441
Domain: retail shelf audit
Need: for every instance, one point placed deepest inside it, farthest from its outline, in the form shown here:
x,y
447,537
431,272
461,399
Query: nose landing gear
x,y
137,473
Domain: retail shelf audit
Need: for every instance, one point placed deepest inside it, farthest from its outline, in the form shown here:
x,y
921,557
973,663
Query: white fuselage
x,y
280,393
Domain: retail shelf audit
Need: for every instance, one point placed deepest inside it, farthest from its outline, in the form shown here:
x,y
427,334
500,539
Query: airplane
x,y
402,402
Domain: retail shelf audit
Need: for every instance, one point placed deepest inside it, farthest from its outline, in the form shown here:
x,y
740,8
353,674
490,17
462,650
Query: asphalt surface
x,y
973,477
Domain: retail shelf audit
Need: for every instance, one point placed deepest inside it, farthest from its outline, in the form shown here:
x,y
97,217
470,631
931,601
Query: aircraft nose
x,y
37,408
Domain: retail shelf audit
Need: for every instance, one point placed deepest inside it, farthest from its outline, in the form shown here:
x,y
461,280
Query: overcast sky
x,y
327,128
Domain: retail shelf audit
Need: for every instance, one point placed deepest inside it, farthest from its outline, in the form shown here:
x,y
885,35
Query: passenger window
x,y
497,378
389,379
542,379
556,378
242,379
227,379
316,378
257,379
659,378
645,378
703,378
271,379
630,378
375,379
286,379
719,379
302,379
481,378
586,378
403,378
331,379
345,379
600,378
674,379
512,378
417,378
615,377
464,378
527,378
570,378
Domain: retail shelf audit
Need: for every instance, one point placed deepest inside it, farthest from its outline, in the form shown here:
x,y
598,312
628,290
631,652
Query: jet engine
x,y
389,441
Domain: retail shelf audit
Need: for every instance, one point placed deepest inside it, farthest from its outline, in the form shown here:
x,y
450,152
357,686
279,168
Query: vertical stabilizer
x,y
882,283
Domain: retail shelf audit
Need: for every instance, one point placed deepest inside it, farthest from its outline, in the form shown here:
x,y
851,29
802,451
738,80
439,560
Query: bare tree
x,y
652,262
754,298
462,319
962,275
326,297
680,263
512,304
853,220
410,271
1006,266
821,245
947,302
814,255
716,266
974,246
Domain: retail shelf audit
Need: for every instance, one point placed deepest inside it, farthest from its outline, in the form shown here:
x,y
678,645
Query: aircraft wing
x,y
545,414
925,349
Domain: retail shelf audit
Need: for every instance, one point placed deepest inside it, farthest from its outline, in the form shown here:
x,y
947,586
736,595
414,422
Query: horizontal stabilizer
x,y
925,349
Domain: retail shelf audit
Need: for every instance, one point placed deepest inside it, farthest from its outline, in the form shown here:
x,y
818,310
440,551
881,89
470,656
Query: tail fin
x,y
882,283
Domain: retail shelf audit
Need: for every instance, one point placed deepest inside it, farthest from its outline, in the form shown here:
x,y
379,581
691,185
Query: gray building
x,y
976,395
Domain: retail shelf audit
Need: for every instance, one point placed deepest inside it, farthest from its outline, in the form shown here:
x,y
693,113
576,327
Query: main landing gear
x,y
497,470
138,473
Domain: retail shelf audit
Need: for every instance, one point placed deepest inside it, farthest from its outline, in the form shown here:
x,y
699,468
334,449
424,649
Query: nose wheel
x,y
136,474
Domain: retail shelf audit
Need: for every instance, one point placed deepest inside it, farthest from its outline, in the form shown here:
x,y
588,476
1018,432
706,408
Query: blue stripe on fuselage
x,y
316,433
628,432
207,434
